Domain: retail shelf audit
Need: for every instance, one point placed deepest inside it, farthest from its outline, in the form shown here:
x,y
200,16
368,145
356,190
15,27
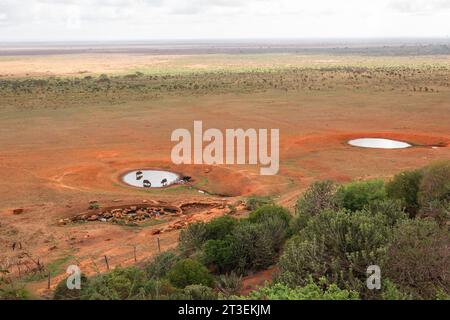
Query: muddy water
x,y
150,178
379,143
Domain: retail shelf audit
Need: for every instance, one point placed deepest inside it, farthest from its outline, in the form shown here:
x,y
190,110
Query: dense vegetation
x,y
322,251
56,92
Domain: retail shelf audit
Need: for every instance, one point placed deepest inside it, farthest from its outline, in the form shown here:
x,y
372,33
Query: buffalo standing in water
x,y
139,175
164,182
146,184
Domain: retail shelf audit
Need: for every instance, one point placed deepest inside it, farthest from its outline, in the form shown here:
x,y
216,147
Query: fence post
x,y
106,261
159,244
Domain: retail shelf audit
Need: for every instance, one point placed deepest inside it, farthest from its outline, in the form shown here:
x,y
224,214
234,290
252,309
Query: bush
x,y
435,183
158,289
248,244
391,292
255,202
270,212
254,246
220,227
220,253
192,238
318,197
195,292
162,263
229,284
405,187
63,293
356,195
418,259
338,245
392,210
311,291
119,284
9,291
187,272
439,210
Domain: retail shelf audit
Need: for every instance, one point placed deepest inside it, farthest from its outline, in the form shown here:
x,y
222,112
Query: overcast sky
x,y
42,20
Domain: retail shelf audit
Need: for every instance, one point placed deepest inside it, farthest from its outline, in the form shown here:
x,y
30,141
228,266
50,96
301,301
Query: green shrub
x,y
439,210
318,197
435,183
356,195
158,289
195,292
63,293
338,245
255,202
391,292
229,284
10,291
119,284
220,227
418,259
162,263
441,295
254,246
392,210
275,218
311,291
192,238
187,272
220,253
94,206
270,212
405,187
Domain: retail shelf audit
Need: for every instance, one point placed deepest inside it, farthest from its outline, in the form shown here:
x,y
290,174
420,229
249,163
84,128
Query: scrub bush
x,y
356,195
187,272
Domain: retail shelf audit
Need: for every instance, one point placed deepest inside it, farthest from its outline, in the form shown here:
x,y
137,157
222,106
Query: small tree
x,y
187,272
195,292
405,187
318,197
435,184
192,238
220,254
119,284
220,227
418,259
162,263
339,245
229,284
270,212
356,195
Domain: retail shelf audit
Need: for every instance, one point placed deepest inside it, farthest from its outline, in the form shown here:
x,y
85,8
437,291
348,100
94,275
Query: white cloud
x,y
160,19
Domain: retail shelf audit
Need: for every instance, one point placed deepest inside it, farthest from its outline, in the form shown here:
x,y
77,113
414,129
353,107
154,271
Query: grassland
x,y
212,75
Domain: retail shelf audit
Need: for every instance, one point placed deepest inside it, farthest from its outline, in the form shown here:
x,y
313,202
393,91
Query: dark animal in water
x,y
146,184
186,178
139,175
164,182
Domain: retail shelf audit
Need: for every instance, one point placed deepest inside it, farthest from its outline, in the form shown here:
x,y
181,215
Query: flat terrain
x,y
71,124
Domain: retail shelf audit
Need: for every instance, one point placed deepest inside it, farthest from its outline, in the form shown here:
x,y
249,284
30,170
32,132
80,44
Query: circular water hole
x,y
150,178
379,143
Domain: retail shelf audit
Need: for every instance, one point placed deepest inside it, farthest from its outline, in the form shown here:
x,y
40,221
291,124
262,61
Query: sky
x,y
78,20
